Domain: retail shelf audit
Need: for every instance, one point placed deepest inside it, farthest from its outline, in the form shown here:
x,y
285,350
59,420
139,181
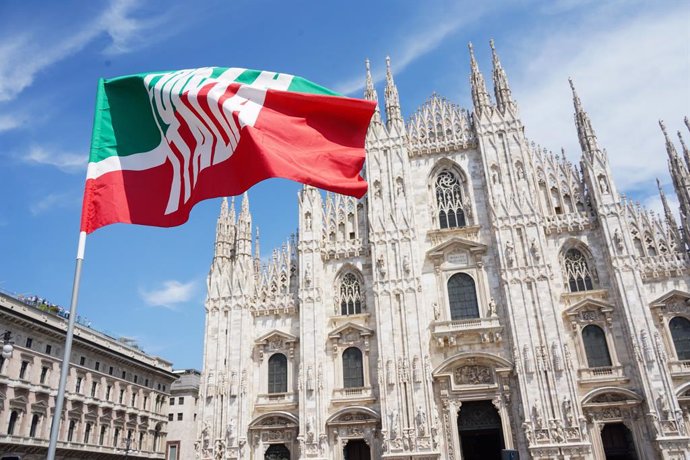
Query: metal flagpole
x,y
60,398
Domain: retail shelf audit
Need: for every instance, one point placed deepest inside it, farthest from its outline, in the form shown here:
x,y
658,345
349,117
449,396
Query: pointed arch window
x,y
462,297
577,271
351,298
353,371
449,200
596,348
277,373
680,333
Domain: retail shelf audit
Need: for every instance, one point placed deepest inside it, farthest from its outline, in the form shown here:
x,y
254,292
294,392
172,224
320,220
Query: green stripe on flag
x,y
300,85
124,122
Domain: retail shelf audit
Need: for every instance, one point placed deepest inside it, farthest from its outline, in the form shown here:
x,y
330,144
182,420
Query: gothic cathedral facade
x,y
484,295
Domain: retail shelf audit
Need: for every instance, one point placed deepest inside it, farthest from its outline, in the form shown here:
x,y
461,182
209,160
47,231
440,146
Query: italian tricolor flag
x,y
164,141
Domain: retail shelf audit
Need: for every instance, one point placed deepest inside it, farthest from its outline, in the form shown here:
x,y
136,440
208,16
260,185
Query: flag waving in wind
x,y
164,141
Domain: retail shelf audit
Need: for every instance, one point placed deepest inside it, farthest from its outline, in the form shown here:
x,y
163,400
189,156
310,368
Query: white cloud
x,y
67,162
23,56
416,44
170,293
53,201
628,75
8,122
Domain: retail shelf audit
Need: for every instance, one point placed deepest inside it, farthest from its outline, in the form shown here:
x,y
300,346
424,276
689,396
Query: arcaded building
x,y
484,295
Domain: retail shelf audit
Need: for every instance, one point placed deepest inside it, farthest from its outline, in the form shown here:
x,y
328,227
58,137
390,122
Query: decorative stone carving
x,y
473,375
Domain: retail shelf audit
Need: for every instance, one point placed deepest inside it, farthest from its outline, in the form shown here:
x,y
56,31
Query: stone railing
x,y
357,394
601,374
679,368
452,333
277,398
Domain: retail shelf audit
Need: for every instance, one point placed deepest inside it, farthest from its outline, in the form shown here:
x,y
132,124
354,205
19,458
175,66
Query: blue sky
x,y
630,62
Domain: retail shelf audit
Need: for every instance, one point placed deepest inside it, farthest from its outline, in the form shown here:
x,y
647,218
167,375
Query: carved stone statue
x,y
230,432
534,250
420,418
219,449
510,253
492,308
307,275
437,311
395,422
310,429
406,265
310,379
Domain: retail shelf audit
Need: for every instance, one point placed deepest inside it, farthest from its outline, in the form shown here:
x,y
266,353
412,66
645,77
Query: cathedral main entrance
x,y
479,426
618,442
356,449
277,452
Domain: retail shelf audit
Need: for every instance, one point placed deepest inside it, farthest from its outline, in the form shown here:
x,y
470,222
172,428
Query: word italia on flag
x,y
164,141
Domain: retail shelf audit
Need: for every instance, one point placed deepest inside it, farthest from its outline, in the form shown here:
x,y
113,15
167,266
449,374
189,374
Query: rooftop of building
x,y
54,317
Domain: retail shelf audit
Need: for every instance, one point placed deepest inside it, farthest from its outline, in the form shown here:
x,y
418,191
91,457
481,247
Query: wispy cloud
x,y
23,56
67,162
169,294
54,201
629,72
415,44
8,122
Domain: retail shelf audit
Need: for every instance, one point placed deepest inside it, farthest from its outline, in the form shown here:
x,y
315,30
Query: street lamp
x,y
128,444
7,345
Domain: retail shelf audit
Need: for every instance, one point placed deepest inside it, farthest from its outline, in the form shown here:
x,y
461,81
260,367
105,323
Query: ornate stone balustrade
x,y
679,368
453,333
277,399
350,395
610,374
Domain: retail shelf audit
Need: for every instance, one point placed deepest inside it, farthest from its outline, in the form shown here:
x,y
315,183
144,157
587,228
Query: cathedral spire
x,y
371,95
667,210
678,168
231,213
393,113
257,248
504,98
585,132
225,231
480,97
224,207
686,152
244,228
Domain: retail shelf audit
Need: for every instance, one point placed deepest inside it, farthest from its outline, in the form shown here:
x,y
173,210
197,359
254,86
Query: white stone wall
x,y
525,208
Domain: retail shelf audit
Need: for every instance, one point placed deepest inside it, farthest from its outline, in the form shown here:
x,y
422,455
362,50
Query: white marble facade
x,y
495,295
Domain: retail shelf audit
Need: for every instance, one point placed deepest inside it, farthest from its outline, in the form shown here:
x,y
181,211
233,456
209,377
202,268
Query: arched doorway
x,y
618,442
356,449
479,427
277,452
